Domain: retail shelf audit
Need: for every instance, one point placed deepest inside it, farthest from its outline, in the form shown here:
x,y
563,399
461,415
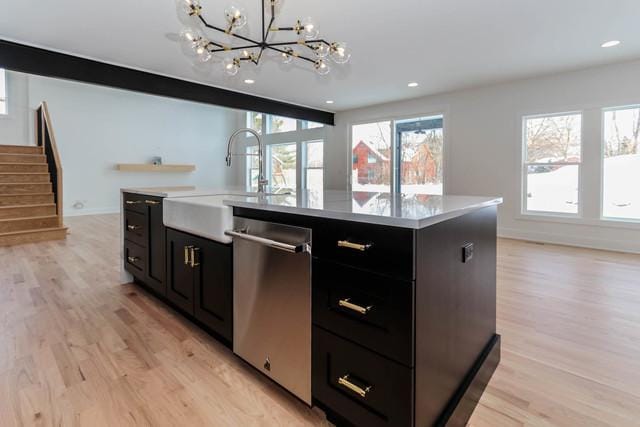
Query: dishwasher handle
x,y
294,249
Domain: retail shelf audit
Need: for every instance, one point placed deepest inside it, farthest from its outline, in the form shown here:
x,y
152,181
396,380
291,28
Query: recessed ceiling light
x,y
249,81
329,102
413,84
611,43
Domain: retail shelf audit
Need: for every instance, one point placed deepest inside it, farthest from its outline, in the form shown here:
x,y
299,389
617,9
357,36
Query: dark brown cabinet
x,y
144,244
404,330
200,280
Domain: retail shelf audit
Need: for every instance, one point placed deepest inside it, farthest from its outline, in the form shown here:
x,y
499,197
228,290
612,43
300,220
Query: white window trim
x,y
306,168
299,137
527,213
444,112
5,99
594,218
625,222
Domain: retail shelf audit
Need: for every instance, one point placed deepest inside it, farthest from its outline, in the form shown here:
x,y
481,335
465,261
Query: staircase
x,y
28,202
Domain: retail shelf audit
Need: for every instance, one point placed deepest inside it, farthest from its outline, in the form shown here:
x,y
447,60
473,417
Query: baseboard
x,y
466,398
563,239
95,211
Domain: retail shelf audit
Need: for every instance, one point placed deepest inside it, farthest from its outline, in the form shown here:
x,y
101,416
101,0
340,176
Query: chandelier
x,y
307,47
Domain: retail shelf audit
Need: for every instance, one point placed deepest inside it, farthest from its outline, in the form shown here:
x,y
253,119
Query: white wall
x,y
483,146
97,127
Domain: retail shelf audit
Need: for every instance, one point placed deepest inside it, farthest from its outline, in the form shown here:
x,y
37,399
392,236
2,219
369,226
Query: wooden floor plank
x,y
78,348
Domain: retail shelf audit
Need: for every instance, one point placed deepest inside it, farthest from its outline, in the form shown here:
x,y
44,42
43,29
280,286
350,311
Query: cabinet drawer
x,y
372,310
134,202
135,227
135,259
383,249
361,386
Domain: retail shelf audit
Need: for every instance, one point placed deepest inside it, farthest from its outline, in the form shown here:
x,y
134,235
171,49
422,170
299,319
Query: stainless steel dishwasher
x,y
272,301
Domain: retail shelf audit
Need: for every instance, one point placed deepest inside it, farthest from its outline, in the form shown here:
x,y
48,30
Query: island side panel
x,y
455,306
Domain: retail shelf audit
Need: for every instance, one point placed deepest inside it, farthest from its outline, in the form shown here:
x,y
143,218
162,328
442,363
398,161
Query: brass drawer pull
x,y
346,303
187,252
133,202
194,251
132,259
344,381
151,202
133,227
356,246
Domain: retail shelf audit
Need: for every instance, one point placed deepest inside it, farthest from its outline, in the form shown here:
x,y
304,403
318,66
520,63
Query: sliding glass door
x,y
403,156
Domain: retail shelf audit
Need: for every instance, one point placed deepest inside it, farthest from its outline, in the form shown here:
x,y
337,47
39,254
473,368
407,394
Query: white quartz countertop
x,y
184,191
399,210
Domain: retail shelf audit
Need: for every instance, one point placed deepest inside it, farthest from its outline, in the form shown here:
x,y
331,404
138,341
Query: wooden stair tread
x,y
35,230
26,218
22,164
33,236
32,205
24,173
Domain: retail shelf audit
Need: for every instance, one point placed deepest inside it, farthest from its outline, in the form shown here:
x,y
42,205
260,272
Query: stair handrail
x,y
45,138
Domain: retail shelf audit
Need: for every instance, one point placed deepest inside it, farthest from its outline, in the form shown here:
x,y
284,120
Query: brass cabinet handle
x,y
133,202
350,245
193,257
187,250
346,303
133,227
132,259
151,202
344,381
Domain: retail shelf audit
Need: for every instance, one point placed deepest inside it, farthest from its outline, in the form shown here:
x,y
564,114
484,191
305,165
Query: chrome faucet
x,y
262,183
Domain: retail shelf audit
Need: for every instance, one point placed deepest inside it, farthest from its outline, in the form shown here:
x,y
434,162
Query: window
x,y
552,157
415,147
314,166
282,166
421,146
293,153
252,168
3,92
621,163
277,124
310,125
371,140
254,121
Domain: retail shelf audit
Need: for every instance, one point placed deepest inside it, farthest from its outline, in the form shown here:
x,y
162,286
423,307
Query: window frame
x,y
5,98
524,167
633,222
305,162
300,137
441,111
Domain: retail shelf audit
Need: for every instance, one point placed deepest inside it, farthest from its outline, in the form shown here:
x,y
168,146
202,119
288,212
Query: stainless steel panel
x,y
272,302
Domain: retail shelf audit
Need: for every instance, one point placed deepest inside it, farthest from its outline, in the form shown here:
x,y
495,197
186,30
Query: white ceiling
x,y
442,44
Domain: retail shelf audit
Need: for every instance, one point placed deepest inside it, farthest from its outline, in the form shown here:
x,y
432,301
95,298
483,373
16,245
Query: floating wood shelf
x,y
142,167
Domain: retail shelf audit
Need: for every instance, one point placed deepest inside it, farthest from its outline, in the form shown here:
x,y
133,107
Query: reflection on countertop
x,y
401,210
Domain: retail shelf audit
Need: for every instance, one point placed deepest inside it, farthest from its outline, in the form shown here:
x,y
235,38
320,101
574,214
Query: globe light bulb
x,y
201,50
189,7
321,50
235,16
287,55
309,29
322,67
189,36
231,66
339,53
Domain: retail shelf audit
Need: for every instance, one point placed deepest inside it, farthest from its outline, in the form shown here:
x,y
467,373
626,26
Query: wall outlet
x,y
467,252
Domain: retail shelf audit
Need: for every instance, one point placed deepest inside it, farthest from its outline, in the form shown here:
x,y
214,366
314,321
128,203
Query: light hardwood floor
x,y
78,348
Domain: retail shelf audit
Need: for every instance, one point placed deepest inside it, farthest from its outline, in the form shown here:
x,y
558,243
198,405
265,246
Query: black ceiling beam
x,y
33,60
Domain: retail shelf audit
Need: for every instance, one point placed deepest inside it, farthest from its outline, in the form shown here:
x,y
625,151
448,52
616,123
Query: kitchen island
x,y
403,298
